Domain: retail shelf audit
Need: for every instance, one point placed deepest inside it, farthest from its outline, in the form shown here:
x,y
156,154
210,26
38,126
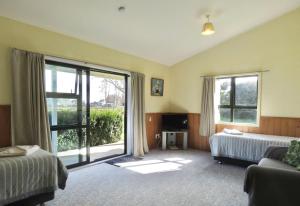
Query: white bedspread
x,y
248,146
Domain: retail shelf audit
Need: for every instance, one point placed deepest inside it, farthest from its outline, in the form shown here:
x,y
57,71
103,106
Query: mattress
x,y
25,176
247,146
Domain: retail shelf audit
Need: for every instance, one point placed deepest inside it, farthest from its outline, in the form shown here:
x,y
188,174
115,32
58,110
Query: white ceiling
x,y
165,31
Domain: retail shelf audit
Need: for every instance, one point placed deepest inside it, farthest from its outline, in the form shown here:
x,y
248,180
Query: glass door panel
x,y
68,149
62,111
61,79
66,101
107,112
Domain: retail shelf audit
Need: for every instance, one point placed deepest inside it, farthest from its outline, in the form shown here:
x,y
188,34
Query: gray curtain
x,y
140,145
30,124
207,121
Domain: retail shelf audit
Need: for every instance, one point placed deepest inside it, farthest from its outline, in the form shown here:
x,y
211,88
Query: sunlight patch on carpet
x,y
155,166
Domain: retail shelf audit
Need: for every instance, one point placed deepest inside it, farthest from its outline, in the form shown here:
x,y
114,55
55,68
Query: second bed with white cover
x,y
246,146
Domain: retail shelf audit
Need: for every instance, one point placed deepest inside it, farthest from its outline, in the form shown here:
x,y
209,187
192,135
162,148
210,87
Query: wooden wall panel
x,y
5,134
195,140
281,126
153,127
191,135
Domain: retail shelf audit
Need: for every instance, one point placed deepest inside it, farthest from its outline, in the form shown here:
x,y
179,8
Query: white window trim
x,y
258,113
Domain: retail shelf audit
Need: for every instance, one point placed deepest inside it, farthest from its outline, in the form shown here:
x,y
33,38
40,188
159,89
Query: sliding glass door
x,y
107,109
87,112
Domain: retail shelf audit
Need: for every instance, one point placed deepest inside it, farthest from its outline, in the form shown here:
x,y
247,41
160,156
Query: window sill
x,y
238,124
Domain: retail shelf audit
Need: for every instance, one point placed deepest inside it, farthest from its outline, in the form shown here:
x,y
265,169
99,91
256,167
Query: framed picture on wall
x,y
157,87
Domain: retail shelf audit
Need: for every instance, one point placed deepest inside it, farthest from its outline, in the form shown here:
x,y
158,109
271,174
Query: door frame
x,y
82,66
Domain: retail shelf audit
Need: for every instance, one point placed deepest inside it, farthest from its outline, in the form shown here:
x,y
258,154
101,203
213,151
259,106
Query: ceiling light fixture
x,y
208,28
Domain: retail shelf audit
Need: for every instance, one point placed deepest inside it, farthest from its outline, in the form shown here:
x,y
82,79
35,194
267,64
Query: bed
x,y
30,179
247,146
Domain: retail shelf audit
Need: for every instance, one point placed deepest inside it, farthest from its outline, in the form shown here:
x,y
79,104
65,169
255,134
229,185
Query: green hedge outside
x,y
106,126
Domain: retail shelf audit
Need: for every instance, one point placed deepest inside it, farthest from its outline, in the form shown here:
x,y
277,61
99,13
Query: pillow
x,y
292,156
232,131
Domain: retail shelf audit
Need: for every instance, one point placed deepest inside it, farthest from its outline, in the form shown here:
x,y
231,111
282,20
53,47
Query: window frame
x,y
87,68
232,104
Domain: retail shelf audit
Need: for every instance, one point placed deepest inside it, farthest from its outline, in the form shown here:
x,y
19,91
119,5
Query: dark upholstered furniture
x,y
272,182
34,200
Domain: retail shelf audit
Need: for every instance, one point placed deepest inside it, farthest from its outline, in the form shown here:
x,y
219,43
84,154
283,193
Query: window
x,y
237,99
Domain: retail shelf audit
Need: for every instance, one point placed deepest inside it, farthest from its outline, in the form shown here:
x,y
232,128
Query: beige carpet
x,y
162,178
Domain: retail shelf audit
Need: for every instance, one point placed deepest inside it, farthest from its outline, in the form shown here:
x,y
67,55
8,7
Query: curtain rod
x,y
76,60
263,71
92,67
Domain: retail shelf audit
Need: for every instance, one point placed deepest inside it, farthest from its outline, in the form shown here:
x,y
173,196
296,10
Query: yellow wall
x,y
23,36
274,46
